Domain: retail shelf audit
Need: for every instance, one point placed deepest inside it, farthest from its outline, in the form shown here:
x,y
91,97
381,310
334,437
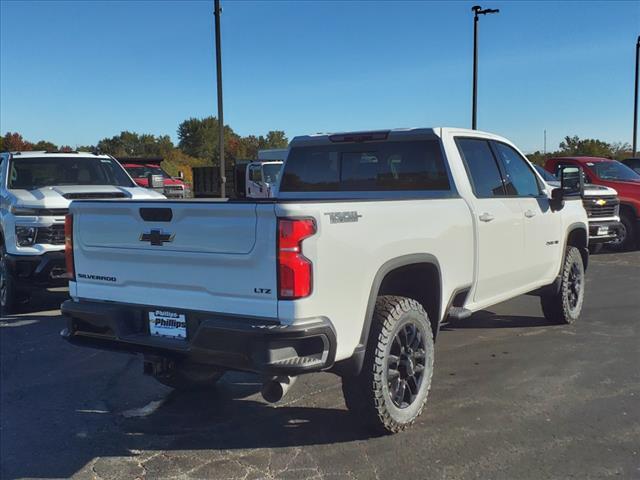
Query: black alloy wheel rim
x,y
575,286
406,365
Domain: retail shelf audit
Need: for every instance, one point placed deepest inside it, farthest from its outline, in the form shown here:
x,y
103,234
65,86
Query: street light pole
x,y
477,11
635,100
223,179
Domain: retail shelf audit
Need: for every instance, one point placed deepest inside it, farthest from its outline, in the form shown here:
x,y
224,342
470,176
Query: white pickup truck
x,y
36,189
374,239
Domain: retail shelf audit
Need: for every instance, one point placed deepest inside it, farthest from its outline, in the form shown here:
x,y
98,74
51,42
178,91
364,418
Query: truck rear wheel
x,y
186,376
391,390
565,306
7,286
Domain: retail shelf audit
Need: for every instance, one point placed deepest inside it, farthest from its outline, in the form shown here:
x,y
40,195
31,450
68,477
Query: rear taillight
x,y
68,247
295,277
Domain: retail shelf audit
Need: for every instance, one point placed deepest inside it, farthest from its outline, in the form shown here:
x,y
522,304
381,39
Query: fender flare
x,y
353,364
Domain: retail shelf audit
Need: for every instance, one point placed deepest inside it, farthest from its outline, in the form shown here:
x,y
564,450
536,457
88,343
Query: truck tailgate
x,y
207,256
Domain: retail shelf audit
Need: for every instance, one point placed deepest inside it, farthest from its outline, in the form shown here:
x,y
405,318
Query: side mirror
x,y
155,181
571,181
571,186
557,199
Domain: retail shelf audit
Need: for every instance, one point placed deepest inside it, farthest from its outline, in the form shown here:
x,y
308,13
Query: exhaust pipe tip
x,y
276,388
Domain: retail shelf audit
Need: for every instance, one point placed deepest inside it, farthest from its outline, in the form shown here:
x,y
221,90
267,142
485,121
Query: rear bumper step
x,y
227,341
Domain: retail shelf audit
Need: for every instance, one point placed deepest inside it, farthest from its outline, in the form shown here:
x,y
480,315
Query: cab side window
x,y
519,177
481,167
255,174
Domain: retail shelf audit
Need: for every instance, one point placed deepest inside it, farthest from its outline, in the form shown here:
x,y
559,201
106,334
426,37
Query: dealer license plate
x,y
164,323
603,231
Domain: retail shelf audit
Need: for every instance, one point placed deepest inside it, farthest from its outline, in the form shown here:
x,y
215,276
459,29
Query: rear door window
x,y
383,166
482,167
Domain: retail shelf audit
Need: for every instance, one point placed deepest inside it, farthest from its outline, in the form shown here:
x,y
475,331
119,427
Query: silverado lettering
x,y
102,278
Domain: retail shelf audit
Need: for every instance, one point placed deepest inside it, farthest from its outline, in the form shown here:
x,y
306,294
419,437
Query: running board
x,y
459,313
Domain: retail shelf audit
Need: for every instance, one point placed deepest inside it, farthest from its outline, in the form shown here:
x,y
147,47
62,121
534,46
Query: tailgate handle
x,y
156,214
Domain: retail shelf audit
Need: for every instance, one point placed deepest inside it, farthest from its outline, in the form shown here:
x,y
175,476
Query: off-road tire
x,y
8,294
188,377
628,238
368,395
565,306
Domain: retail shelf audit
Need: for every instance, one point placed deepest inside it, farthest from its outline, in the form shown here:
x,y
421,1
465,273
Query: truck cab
x,y
613,174
262,178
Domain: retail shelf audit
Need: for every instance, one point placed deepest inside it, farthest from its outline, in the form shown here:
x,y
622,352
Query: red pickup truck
x,y
611,173
139,170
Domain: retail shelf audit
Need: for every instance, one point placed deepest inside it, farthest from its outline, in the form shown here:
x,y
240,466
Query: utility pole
x,y
477,11
635,100
545,142
223,179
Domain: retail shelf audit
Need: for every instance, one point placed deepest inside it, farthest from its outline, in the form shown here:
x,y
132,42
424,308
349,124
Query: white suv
x,y
36,189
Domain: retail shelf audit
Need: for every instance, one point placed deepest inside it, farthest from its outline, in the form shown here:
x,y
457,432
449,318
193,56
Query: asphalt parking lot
x,y
513,397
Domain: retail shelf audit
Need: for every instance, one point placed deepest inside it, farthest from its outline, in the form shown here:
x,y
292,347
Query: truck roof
x,y
43,153
584,159
390,134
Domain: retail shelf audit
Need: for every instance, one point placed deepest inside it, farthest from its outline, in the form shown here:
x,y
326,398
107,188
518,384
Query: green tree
x,y
85,148
45,145
130,144
588,147
199,138
275,139
620,150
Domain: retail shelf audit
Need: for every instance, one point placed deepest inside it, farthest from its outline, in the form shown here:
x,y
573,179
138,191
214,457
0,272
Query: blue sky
x,y
74,72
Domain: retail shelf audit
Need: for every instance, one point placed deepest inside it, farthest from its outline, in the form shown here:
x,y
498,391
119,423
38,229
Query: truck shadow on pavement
x,y
488,319
191,421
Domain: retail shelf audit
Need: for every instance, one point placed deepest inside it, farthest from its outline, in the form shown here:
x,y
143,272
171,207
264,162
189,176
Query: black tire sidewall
x,y
367,394
405,415
630,238
7,307
573,258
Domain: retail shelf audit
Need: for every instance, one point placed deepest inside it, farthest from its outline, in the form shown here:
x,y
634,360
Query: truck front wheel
x,y
565,305
187,376
391,390
626,239
7,286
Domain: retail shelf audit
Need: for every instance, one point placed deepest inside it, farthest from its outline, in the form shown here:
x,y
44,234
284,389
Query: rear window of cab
x,y
375,166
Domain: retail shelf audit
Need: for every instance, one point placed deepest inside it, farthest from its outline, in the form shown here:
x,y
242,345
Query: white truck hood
x,y
61,196
591,190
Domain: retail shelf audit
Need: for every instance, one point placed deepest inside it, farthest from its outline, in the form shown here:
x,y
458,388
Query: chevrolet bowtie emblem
x,y
157,237
600,202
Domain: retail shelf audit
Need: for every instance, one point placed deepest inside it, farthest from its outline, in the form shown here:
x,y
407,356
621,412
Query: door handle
x,y
529,214
486,217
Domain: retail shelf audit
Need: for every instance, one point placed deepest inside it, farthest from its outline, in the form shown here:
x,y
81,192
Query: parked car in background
x,y
141,169
602,206
374,239
633,164
613,174
36,189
